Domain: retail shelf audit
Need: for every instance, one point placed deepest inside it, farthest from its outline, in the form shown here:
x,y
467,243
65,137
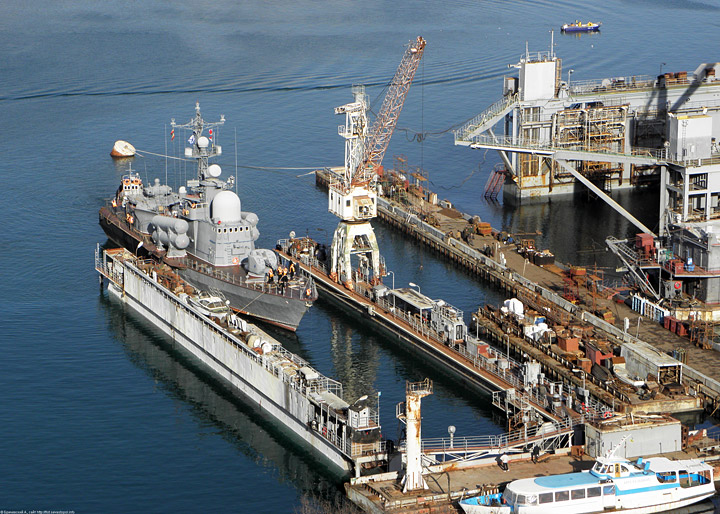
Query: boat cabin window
x,y
546,497
684,478
577,494
562,496
665,477
608,489
593,492
530,499
509,497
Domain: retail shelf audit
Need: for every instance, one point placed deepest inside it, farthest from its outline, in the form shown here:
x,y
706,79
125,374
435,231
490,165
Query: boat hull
x,y
570,508
271,308
282,311
581,29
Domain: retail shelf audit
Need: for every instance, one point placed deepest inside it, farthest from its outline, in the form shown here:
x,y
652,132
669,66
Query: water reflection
x,y
258,438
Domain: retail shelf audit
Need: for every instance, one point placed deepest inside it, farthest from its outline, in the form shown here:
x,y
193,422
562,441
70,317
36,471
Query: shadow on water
x,y
251,431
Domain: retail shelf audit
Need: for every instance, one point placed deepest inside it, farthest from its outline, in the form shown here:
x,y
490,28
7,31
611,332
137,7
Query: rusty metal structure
x,y
353,192
409,412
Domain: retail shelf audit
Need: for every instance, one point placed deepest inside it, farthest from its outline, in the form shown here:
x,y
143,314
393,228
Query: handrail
x,y
487,114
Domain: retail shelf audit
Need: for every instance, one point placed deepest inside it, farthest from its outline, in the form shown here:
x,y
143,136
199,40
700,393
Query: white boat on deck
x,y
122,149
614,484
211,305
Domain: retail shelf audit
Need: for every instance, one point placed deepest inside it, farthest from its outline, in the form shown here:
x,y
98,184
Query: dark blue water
x,y
98,414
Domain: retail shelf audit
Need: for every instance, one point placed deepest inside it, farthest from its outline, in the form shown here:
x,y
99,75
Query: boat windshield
x,y
600,468
530,499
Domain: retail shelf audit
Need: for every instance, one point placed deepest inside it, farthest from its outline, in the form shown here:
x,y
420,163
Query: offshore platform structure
x,y
353,193
616,133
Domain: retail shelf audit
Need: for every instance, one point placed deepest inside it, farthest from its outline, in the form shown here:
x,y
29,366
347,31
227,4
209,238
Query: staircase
x,y
485,120
495,183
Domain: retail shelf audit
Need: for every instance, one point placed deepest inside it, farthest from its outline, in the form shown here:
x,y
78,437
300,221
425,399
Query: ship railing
x,y
610,85
269,361
488,114
292,290
547,146
499,442
500,365
418,324
539,56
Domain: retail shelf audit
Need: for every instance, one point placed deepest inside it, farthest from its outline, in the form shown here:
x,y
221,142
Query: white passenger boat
x,y
614,484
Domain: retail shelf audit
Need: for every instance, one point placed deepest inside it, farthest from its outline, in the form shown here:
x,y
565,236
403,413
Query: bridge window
x,y
608,490
593,492
546,497
562,496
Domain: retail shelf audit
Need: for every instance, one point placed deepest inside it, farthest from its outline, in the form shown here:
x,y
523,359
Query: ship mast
x,y
202,148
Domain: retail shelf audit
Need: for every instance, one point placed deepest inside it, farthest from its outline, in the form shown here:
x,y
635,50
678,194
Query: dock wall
x,y
510,281
250,374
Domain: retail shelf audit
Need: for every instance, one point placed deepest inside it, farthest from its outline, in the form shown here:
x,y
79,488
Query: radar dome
x,y
203,142
225,207
214,170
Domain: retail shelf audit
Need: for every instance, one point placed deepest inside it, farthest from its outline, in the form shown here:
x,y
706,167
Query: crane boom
x,y
384,125
352,196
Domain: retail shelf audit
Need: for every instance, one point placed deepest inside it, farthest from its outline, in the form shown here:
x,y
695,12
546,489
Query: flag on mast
x,y
172,135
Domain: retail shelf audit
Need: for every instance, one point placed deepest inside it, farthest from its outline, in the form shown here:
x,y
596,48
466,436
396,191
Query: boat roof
x,y
663,464
564,481
411,296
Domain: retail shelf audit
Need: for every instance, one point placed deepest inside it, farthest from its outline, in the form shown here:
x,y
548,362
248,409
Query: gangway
x,y
485,120
473,450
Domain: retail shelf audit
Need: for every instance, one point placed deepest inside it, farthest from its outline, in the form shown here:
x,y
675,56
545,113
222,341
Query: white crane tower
x,y
353,194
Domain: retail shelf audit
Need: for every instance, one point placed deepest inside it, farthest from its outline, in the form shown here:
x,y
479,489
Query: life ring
x,y
131,220
606,414
126,181
324,431
236,260
308,292
136,181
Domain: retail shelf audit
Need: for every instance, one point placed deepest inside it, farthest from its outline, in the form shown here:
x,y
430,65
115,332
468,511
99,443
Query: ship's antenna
x,y
236,164
166,151
552,43
612,450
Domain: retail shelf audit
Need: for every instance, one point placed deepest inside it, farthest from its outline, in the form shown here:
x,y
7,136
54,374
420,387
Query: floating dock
x,y
541,288
255,365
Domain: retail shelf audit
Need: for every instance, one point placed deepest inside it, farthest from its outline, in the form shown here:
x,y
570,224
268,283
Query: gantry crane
x,y
353,194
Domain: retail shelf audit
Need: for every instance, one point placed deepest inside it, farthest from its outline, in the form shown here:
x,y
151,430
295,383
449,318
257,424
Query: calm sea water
x,y
97,413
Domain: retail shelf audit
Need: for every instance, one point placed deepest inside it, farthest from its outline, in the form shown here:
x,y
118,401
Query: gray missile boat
x,y
202,231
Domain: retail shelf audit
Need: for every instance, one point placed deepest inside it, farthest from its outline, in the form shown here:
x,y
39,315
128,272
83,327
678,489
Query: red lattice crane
x,y
386,121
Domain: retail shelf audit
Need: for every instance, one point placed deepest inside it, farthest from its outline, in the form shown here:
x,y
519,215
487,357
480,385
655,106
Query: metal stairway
x,y
485,120
495,182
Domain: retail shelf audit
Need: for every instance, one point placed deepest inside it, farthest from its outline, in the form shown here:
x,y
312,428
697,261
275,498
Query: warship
x,y
203,233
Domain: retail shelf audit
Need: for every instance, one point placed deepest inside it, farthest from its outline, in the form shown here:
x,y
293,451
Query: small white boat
x,y
644,486
122,149
211,305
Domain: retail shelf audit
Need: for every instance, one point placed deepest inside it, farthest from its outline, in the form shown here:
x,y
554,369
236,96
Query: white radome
x,y
225,207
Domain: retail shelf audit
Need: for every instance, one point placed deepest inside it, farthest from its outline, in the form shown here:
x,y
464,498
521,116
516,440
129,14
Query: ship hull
x,y
281,311
271,308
